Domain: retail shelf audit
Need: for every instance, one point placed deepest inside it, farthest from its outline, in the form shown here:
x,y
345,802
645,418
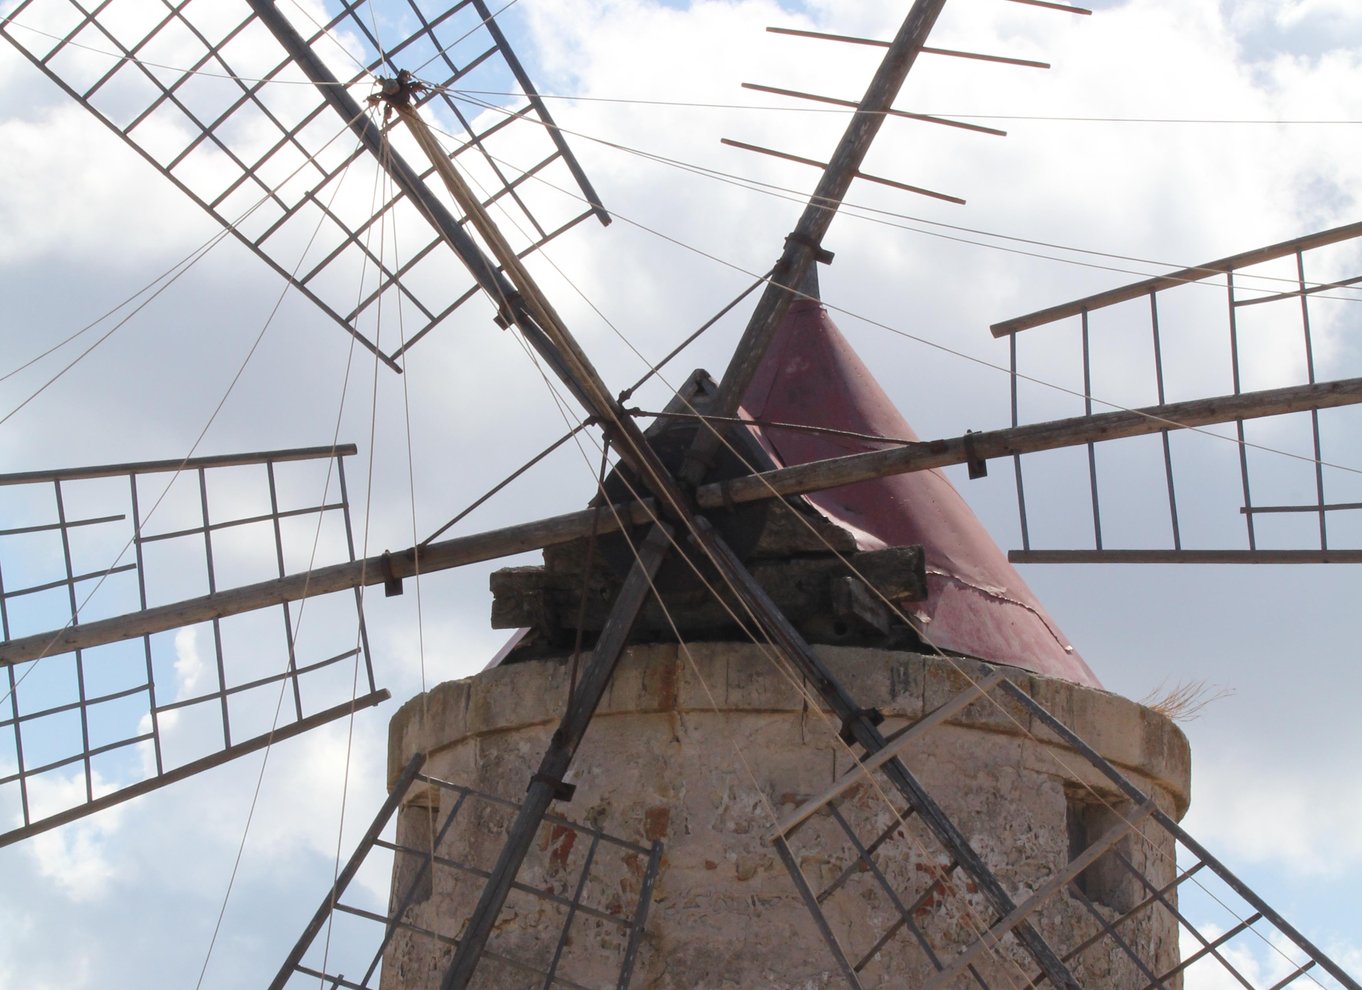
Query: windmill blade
x,y
1131,871
580,872
208,94
87,728
1284,489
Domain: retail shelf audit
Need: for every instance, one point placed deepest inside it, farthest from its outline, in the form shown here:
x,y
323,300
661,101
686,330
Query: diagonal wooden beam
x,y
547,784
805,242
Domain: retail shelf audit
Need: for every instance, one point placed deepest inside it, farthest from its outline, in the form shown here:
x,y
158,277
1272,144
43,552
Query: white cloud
x,y
77,858
1294,12
1295,819
190,670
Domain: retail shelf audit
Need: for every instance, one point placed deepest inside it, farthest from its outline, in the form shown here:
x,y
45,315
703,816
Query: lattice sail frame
x,y
1278,323
1132,880
137,714
579,872
205,93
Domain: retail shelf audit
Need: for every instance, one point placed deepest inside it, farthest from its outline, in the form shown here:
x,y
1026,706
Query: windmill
x,y
397,569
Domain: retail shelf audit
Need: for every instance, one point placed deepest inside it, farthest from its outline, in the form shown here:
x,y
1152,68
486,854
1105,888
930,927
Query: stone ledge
x,y
741,678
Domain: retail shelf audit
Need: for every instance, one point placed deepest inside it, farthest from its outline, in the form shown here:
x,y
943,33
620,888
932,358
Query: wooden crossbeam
x,y
818,476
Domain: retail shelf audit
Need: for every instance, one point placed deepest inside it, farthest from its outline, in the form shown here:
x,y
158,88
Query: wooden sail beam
x,y
179,464
875,43
325,580
484,273
1182,277
801,479
547,784
533,314
879,179
851,104
852,468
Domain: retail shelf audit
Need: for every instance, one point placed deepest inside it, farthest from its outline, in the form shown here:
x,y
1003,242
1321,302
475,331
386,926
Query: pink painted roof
x,y
977,602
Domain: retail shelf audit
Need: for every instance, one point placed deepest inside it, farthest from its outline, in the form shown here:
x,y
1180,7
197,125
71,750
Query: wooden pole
x,y
821,475
838,471
804,244
534,314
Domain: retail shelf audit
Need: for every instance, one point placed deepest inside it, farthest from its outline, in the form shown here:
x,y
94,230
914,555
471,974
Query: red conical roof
x,y
977,602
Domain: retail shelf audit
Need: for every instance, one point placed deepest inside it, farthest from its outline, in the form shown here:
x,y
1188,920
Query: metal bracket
x,y
392,584
820,254
978,466
562,791
848,733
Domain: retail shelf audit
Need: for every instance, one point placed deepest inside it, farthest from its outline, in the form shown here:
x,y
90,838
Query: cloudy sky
x,y
1103,172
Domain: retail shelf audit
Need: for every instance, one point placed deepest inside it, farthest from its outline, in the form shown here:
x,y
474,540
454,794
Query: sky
x,y
132,896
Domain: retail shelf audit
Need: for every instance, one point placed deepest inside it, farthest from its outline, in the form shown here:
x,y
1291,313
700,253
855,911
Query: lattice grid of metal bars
x,y
1242,292
204,92
1134,878
146,710
346,943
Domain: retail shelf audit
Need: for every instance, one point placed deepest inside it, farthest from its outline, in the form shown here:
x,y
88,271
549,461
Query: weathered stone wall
x,y
703,749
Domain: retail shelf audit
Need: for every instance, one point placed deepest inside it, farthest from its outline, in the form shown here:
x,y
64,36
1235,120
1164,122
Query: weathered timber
x,y
924,117
876,43
190,769
878,179
1194,274
352,867
804,243
534,315
807,589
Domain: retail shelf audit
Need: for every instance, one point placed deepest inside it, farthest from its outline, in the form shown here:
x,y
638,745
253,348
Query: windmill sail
x,y
209,95
589,879
1266,319
84,729
1138,877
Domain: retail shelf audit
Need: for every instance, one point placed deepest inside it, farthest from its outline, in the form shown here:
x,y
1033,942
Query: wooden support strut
x,y
546,783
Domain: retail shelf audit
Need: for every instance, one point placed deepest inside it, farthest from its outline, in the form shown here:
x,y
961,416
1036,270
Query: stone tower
x,y
713,753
